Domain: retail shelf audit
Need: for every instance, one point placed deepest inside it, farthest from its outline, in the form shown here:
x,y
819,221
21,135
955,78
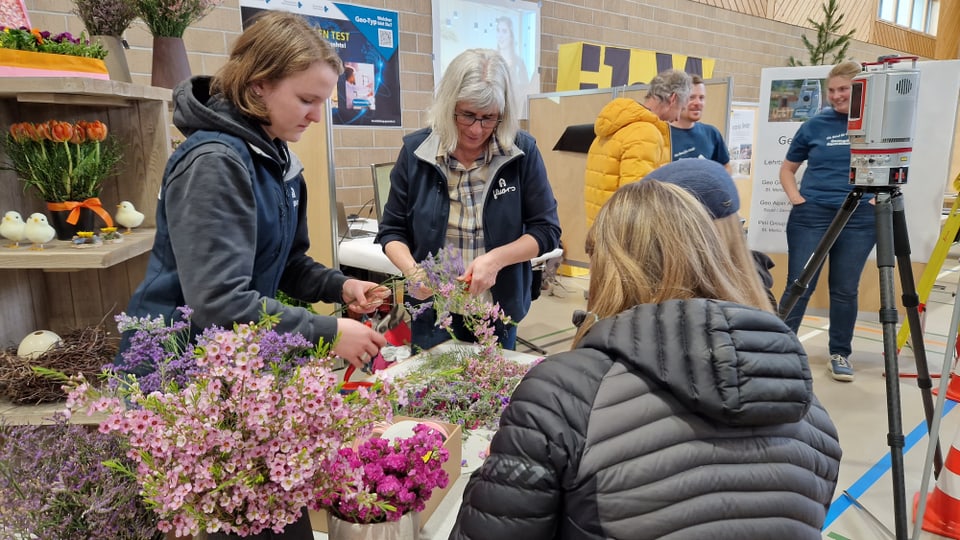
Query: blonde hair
x,y
278,44
847,70
480,77
652,242
746,279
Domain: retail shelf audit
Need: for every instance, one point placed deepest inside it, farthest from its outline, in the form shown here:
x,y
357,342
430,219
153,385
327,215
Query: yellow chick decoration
x,y
38,231
128,216
12,228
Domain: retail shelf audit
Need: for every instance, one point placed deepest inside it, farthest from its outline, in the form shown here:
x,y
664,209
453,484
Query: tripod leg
x,y
888,320
800,284
910,300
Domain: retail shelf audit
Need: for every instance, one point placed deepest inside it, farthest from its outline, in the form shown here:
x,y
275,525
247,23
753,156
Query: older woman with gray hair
x,y
471,180
633,138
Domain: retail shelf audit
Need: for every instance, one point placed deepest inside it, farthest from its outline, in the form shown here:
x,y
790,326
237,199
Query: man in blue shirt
x,y
690,138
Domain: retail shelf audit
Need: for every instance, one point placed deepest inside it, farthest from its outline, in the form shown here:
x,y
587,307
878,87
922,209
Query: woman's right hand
x,y
357,343
797,200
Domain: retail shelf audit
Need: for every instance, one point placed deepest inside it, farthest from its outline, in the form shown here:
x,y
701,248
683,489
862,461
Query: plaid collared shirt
x,y
466,186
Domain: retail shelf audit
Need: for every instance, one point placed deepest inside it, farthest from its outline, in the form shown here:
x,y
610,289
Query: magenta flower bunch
x,y
239,448
381,480
450,296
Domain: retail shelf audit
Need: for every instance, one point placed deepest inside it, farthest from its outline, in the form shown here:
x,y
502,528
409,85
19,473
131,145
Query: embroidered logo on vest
x,y
503,189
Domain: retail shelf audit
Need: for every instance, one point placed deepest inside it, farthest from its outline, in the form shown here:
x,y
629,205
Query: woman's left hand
x,y
364,296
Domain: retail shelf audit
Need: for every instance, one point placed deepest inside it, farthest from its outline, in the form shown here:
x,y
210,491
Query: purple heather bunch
x,y
105,17
439,273
239,448
381,480
54,484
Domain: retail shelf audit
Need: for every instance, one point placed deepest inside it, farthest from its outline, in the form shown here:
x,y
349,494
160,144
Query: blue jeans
x,y
805,227
425,334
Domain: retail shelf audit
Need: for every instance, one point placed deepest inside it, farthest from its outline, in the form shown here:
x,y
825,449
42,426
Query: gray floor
x,y
859,409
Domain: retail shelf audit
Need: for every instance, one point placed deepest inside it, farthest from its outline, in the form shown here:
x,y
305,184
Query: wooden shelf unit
x,y
64,288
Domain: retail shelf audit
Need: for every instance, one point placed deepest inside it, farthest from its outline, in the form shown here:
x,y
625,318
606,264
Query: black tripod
x,y
893,245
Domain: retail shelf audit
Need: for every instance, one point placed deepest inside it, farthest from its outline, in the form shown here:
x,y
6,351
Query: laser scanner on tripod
x,y
881,122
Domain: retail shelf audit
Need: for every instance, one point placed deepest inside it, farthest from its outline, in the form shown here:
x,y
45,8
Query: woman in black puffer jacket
x,y
681,412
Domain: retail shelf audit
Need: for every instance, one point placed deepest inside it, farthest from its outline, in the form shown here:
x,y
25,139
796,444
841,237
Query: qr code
x,y
386,37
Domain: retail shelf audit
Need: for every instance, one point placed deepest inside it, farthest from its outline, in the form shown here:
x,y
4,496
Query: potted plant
x,y
237,446
106,21
167,21
26,52
66,164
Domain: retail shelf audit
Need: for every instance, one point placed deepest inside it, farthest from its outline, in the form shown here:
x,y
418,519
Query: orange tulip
x,y
96,130
79,135
60,131
22,132
43,131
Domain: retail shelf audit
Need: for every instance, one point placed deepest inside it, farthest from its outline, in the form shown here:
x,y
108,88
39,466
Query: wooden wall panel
x,y
902,39
748,7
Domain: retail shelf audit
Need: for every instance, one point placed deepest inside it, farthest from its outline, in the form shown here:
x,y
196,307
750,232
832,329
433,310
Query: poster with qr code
x,y
368,92
13,14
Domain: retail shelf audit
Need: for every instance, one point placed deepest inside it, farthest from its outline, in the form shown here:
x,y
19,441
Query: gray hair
x,y
481,78
669,82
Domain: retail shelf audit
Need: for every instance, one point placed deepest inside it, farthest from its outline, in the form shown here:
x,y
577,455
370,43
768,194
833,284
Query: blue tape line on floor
x,y
842,503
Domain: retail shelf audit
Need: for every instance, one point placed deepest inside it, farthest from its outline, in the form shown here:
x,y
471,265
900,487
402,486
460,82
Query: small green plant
x,y
831,46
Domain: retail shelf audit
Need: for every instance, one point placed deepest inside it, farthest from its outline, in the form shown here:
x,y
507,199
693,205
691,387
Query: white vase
x,y
407,528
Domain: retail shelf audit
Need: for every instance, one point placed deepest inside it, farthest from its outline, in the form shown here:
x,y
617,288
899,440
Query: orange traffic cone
x,y
953,387
942,515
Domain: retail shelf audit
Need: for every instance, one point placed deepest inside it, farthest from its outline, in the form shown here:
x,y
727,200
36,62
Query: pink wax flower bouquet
x,y
381,480
238,447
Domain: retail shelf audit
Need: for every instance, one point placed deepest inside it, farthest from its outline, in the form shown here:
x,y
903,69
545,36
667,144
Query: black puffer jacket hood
x,y
714,357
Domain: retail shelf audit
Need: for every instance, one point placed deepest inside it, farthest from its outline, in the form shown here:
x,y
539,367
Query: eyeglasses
x,y
467,120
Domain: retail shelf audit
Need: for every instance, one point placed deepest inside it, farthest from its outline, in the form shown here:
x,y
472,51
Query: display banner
x,y
585,66
790,95
368,93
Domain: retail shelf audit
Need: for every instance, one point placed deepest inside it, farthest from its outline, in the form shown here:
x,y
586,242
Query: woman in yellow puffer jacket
x,y
633,138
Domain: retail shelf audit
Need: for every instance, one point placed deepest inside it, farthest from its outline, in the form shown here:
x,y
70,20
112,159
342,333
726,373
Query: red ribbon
x,y
93,203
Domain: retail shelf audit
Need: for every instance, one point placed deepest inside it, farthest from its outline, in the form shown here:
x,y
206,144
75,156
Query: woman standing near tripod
x,y
823,143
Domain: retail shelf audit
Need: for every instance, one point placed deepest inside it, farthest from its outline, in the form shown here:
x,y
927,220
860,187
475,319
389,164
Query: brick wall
x,y
741,44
